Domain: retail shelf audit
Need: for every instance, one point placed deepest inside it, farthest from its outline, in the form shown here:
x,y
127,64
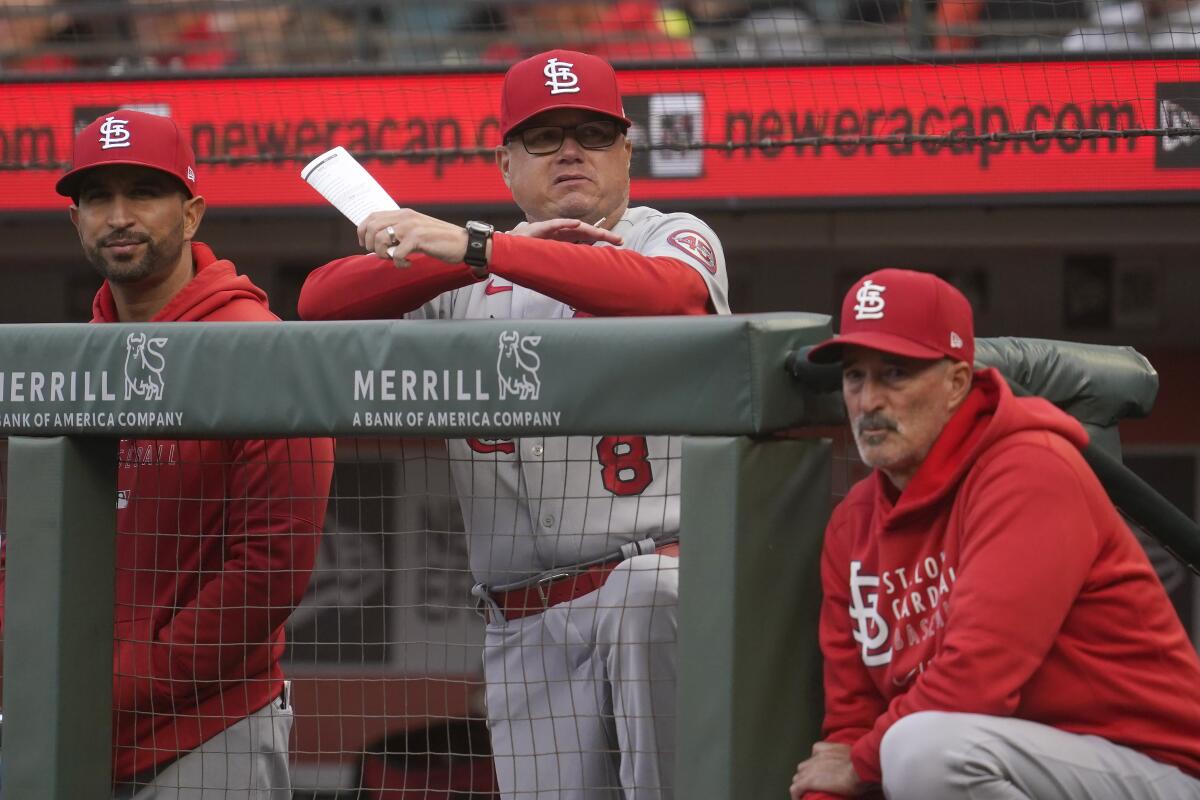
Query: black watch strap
x,y
478,234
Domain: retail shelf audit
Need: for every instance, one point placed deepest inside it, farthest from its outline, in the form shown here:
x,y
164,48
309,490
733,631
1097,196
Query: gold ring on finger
x,y
391,232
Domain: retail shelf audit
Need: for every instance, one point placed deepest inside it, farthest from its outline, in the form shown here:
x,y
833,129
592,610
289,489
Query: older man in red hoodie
x,y
215,539
991,628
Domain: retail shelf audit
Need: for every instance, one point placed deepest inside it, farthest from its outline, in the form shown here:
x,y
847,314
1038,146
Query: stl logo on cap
x,y
870,300
561,79
113,133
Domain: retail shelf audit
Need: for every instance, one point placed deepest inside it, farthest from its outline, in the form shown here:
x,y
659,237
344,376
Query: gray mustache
x,y
874,420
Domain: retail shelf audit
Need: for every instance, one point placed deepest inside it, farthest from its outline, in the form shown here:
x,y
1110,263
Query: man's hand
x,y
567,230
829,770
395,235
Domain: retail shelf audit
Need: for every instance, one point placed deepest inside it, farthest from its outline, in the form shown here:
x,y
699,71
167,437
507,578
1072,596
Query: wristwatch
x,y
478,234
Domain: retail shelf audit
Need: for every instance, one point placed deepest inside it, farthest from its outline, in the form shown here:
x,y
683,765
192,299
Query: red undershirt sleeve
x,y
370,287
600,281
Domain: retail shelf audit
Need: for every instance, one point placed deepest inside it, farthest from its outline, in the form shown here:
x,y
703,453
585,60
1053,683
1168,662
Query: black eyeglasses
x,y
542,140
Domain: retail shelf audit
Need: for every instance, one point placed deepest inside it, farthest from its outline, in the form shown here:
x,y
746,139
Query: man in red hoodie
x,y
990,627
215,539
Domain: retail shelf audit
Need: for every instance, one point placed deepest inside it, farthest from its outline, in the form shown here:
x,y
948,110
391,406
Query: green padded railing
x,y
648,375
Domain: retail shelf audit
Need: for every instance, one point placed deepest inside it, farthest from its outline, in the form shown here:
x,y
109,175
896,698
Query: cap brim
x,y
830,350
68,185
571,106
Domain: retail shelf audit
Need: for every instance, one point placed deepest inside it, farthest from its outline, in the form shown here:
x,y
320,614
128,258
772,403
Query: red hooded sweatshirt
x,y
215,544
1001,581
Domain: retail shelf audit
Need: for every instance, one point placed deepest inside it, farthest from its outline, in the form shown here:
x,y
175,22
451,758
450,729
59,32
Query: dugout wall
x,y
754,506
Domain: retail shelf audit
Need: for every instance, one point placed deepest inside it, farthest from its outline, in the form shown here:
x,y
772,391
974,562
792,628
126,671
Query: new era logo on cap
x,y
905,313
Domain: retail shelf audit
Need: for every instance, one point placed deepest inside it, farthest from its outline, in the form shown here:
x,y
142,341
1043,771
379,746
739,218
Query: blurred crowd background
x,y
116,36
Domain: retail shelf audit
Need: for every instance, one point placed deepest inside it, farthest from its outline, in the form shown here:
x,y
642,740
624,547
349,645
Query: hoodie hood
x,y
215,293
989,414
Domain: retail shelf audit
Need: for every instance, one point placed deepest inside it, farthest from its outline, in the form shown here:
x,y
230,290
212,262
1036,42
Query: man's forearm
x,y
369,287
601,281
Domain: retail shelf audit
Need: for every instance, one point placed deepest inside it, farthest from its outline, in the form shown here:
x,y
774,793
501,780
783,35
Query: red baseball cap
x,y
558,79
905,313
131,137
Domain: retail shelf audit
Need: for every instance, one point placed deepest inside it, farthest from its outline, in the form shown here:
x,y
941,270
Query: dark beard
x,y
157,256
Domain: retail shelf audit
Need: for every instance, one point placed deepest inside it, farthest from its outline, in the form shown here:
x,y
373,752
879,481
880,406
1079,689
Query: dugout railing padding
x,y
754,505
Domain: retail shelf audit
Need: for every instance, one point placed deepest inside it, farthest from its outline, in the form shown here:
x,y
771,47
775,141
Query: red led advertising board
x,y
401,118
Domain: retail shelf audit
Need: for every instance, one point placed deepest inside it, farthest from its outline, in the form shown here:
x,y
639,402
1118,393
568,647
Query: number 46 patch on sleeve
x,y
695,246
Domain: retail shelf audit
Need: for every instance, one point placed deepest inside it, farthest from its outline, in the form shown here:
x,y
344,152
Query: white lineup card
x,y
344,182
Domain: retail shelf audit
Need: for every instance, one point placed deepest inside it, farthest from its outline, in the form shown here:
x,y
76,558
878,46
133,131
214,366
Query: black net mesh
x,y
384,650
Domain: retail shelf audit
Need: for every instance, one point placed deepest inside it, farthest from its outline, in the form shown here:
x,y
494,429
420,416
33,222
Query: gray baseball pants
x,y
581,698
936,755
247,761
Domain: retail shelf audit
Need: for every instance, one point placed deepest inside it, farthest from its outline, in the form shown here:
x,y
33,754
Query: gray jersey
x,y
536,503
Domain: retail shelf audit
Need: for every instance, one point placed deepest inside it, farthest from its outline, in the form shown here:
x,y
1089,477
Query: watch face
x,y
478,234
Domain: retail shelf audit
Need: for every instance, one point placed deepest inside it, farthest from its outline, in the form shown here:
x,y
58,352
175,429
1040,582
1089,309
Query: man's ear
x,y
503,159
73,212
959,377
193,213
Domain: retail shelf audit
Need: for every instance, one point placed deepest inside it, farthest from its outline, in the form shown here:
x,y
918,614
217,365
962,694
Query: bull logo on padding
x,y
518,366
144,364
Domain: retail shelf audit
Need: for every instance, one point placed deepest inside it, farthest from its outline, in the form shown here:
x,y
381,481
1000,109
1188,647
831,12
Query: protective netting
x,y
388,645
384,653
732,102
384,658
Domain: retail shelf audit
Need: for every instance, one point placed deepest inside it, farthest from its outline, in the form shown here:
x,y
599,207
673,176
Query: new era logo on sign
x,y
870,300
1178,107
561,79
667,132
1173,115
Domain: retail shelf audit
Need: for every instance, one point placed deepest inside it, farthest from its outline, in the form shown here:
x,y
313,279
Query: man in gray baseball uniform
x,y
573,540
